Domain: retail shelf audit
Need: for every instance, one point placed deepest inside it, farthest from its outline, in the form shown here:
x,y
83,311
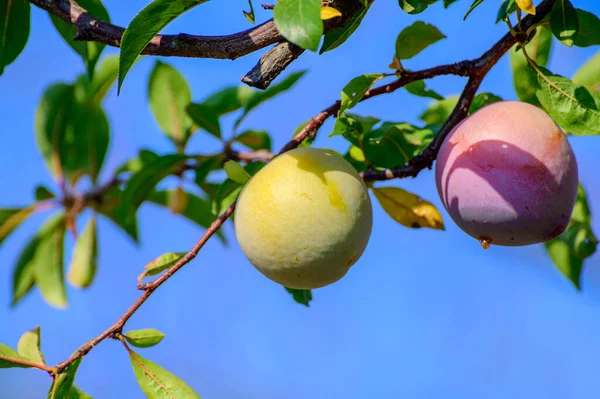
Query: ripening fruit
x,y
507,175
304,218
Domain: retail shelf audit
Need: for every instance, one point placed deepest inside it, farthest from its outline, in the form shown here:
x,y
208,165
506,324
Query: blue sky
x,y
423,314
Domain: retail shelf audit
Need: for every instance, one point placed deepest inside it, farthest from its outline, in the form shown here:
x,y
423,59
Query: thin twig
x,y
475,70
27,363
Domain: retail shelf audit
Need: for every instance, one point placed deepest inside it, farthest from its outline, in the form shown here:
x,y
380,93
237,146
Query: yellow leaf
x,y
408,209
329,12
178,200
527,6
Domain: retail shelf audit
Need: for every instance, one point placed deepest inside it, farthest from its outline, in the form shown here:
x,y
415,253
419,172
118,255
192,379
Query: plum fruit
x,y
507,175
304,219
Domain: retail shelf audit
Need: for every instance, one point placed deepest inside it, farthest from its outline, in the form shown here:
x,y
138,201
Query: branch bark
x,y
475,70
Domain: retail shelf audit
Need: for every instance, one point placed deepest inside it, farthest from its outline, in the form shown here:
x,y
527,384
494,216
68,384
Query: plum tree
x,y
507,175
303,216
304,219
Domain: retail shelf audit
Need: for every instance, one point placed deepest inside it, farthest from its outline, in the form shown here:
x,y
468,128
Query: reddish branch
x,y
475,70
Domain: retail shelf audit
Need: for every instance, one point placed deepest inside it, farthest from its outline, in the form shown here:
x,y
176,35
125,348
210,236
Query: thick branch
x,y
475,70
230,47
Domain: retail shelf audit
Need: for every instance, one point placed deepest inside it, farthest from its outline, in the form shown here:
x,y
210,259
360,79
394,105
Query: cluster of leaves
x,y
155,381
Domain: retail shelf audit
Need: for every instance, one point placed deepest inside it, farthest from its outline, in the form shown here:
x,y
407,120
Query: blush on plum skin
x,y
508,174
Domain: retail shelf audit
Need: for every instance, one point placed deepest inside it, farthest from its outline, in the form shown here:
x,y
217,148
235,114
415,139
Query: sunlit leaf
x,y
408,209
162,263
299,21
48,261
144,338
415,38
418,88
29,346
329,13
169,94
236,172
588,74
569,105
355,90
84,259
158,383
147,24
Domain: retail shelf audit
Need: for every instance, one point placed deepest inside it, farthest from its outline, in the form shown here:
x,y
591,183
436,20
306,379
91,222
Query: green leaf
x,y
197,210
416,38
162,263
229,190
52,119
352,126
85,256
10,358
14,30
86,144
141,184
394,144
447,3
255,139
571,106
158,383
29,346
259,97
42,193
419,88
299,21
483,99
588,74
110,209
473,6
63,384
335,38
249,14
48,269
169,94
89,51
524,77
73,138
588,33
303,297
229,99
506,8
205,166
415,6
578,242
564,22
94,91
205,117
144,338
134,165
147,24
236,172
11,218
23,274
355,90
77,393
436,114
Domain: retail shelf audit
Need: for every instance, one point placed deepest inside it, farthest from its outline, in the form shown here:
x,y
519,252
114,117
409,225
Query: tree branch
x,y
90,28
475,70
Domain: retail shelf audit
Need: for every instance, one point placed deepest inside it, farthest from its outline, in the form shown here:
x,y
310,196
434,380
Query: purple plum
x,y
507,175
